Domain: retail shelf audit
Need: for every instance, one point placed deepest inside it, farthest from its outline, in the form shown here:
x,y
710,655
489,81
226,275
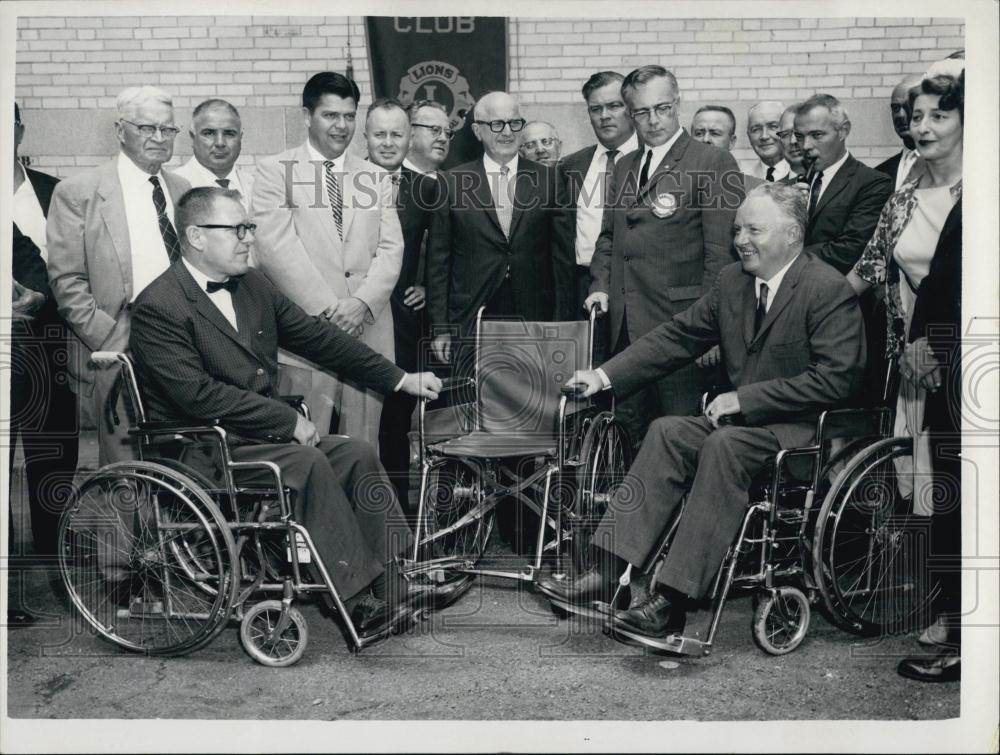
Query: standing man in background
x,y
763,124
541,143
587,174
665,237
110,233
790,148
217,139
715,125
329,238
898,166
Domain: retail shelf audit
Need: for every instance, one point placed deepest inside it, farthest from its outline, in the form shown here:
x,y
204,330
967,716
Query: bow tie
x,y
230,285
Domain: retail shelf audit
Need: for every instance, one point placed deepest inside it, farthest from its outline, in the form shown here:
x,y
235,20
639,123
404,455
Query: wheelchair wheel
x,y
454,524
869,551
605,457
273,636
781,620
147,559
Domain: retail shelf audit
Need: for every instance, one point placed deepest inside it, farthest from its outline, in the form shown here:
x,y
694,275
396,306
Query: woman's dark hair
x,y
948,88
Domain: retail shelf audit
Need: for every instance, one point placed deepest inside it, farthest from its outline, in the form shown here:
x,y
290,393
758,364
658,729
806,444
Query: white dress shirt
x,y
658,154
759,170
197,174
828,174
773,283
222,299
493,169
415,169
590,203
338,163
150,256
26,211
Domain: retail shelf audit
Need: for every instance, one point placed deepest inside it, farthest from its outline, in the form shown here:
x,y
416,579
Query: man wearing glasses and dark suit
x,y
665,236
499,237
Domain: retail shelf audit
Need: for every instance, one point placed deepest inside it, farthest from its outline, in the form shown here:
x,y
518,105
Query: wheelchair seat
x,y
482,444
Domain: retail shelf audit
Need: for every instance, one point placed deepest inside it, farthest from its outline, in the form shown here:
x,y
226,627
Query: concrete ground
x,y
497,654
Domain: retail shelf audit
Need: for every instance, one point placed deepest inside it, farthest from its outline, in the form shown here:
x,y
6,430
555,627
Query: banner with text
x,y
453,60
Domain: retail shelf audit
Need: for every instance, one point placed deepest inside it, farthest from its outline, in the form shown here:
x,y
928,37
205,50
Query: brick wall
x,y
69,70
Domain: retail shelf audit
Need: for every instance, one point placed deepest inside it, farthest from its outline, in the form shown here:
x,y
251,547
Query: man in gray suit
x,y
792,345
665,236
110,233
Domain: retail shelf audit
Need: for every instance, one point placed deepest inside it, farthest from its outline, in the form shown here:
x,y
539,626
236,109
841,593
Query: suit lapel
x,y
355,171
781,299
748,306
526,183
310,177
668,163
839,183
204,306
112,211
483,193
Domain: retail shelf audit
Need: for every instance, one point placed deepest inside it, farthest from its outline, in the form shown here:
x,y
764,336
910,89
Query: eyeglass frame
x,y
552,141
508,124
438,130
163,131
642,114
240,229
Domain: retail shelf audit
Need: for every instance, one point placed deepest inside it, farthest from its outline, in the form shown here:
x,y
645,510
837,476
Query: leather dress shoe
x,y
373,615
946,667
656,617
588,587
18,617
437,595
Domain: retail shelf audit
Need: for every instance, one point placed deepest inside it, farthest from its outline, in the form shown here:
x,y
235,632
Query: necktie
x,y
504,210
223,182
335,197
167,231
758,317
609,171
229,284
644,175
770,174
814,192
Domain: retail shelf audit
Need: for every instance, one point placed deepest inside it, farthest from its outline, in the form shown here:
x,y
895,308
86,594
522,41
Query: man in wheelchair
x,y
792,345
205,336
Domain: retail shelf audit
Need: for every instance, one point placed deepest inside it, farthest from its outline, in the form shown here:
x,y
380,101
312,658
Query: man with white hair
x,y
763,124
110,233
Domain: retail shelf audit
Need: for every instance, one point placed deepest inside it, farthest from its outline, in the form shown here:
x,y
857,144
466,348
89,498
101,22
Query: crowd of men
x,y
370,272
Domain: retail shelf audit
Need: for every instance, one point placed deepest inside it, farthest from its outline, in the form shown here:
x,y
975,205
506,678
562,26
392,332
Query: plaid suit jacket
x,y
193,365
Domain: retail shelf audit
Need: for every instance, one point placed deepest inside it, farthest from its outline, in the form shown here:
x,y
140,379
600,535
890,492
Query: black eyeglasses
x,y
437,130
241,230
516,124
662,110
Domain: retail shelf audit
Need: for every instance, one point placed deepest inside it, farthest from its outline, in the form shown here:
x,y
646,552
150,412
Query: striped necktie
x,y
505,212
167,231
335,197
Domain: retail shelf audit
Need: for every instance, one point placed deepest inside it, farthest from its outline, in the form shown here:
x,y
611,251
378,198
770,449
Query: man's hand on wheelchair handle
x,y
421,384
599,298
723,406
588,380
441,346
305,431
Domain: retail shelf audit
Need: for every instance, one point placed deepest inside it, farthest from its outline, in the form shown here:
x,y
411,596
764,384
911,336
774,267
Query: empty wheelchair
x,y
158,557
516,437
827,525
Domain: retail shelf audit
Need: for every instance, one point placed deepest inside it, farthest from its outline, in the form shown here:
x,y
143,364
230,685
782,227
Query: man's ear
x,y
846,129
195,237
475,130
306,115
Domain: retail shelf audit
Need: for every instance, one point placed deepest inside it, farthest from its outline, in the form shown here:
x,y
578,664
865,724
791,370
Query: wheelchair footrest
x,y
673,643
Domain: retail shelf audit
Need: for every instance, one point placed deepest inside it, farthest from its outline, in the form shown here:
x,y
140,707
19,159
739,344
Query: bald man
x,y
763,124
500,238
541,143
898,166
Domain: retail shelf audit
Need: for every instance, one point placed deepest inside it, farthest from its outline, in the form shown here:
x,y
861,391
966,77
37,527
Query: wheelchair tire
x,y
260,642
455,490
605,457
781,620
147,559
869,554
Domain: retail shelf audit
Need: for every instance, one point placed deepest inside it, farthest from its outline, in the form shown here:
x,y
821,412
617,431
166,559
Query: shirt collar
x,y
829,173
316,155
407,164
629,145
774,282
129,171
199,277
660,152
492,166
781,168
208,175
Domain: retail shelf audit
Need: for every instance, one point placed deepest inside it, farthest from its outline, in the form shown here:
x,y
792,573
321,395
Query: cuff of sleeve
x,y
399,385
604,378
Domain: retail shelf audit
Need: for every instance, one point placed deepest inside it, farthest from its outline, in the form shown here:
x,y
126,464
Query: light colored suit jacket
x,y
298,248
196,175
90,260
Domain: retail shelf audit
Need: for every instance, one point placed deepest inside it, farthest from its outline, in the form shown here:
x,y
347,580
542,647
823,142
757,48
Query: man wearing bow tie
x,y
205,339
329,238
664,237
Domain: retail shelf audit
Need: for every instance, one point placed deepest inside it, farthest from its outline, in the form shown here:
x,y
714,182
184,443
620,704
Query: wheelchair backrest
x,y
520,367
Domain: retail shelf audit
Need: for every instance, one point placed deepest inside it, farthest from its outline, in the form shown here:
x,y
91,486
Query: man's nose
x,y
220,140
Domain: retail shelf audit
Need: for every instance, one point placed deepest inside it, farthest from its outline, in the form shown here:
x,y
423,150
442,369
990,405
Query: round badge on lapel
x,y
664,205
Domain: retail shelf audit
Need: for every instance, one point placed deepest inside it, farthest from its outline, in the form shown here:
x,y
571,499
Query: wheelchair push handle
x,y
575,390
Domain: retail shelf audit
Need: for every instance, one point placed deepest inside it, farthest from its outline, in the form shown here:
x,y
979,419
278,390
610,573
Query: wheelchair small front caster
x,y
274,634
781,620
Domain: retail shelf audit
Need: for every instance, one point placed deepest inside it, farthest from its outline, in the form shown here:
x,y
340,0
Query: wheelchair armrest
x,y
179,427
297,402
852,423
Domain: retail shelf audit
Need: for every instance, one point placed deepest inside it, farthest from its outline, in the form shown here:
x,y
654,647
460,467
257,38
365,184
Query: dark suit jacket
x,y
846,216
937,315
416,198
654,267
572,169
194,366
890,166
28,267
43,184
808,356
467,253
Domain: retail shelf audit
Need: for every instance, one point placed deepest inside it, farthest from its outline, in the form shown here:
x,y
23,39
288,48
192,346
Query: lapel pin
x,y
664,205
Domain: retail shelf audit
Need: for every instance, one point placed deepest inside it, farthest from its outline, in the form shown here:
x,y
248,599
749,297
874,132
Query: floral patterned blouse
x,y
877,266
